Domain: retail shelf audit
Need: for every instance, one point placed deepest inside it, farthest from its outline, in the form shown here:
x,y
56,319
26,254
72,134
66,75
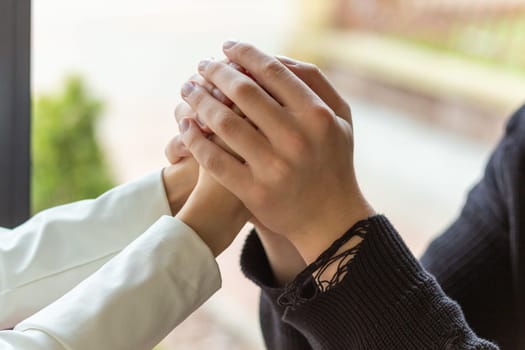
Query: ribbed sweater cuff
x,y
386,301
257,268
277,333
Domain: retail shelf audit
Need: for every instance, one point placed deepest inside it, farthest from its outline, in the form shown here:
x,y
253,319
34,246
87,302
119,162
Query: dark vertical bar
x,y
15,25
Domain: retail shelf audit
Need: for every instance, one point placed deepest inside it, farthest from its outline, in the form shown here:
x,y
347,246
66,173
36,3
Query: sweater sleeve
x,y
473,259
386,300
278,334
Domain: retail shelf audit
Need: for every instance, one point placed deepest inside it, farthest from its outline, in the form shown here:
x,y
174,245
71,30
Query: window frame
x,y
15,111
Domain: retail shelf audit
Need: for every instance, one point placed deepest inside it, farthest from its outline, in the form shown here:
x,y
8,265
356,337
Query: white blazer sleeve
x,y
132,302
52,252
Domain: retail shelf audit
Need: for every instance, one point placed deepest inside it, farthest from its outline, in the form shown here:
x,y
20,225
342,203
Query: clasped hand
x,y
288,163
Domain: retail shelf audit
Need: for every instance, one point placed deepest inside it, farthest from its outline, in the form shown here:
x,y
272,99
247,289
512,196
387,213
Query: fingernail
x,y
203,64
184,125
286,60
187,88
229,44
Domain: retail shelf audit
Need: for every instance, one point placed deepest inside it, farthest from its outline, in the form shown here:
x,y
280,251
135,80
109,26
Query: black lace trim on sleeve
x,y
309,283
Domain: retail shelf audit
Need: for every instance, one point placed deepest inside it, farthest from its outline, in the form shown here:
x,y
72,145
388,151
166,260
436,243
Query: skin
x,y
297,177
214,213
284,259
179,181
203,204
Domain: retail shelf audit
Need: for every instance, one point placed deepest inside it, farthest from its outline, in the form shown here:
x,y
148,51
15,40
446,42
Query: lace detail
x,y
309,283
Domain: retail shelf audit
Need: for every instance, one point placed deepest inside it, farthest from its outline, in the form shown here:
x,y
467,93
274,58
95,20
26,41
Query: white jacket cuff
x,y
55,250
138,297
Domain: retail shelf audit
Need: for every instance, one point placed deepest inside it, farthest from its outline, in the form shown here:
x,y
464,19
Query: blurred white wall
x,y
136,55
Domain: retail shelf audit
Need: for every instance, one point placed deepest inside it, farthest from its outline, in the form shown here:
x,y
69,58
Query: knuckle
x,y
312,68
322,112
226,124
242,88
213,68
273,68
324,117
244,49
212,163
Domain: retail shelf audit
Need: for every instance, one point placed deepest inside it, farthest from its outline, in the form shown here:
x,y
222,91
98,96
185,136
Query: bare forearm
x,y
284,259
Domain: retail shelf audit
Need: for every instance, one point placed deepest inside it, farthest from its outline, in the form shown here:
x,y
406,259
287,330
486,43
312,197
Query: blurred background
x,y
430,83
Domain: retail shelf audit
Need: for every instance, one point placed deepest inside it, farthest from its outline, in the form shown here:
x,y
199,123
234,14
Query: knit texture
x,y
478,261
387,300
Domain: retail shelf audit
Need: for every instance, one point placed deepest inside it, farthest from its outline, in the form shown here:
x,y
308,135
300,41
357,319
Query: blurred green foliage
x,y
68,163
498,43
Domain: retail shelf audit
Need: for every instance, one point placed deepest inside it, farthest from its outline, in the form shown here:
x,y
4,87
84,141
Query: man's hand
x,y
212,211
297,176
285,260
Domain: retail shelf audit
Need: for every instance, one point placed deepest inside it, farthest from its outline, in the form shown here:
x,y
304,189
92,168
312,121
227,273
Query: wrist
x,y
314,240
284,259
179,180
215,217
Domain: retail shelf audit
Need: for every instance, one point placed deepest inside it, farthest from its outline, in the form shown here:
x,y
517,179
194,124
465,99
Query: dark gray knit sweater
x,y
465,293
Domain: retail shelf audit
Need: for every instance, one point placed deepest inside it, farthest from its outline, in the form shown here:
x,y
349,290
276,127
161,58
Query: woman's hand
x,y
212,211
179,180
297,176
